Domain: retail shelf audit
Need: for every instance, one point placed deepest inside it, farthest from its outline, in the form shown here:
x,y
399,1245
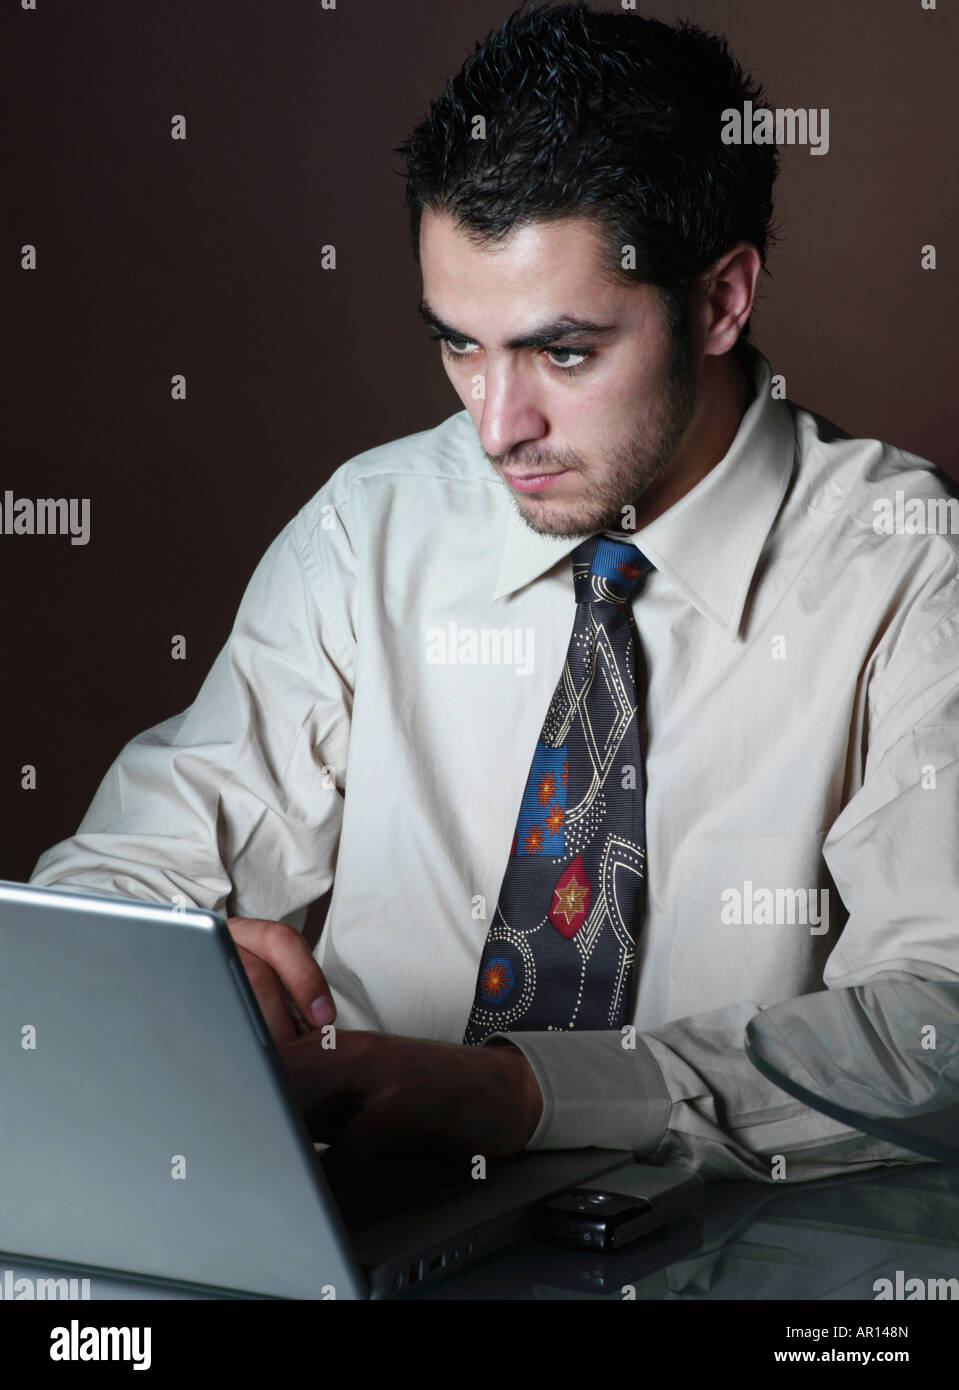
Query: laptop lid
x,y
145,1122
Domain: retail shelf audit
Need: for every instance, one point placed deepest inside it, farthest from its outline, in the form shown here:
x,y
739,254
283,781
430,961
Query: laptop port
x,y
437,1262
416,1272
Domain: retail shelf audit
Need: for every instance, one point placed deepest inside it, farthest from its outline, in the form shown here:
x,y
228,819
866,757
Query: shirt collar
x,y
708,543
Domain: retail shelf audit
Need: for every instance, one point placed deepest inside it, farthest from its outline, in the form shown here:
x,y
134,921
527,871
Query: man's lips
x,y
534,473
515,476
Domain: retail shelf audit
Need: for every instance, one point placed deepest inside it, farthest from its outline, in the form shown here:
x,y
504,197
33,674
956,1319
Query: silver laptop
x,y
146,1126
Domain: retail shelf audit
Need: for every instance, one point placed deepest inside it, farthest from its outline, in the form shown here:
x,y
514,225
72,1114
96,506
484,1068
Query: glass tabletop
x,y
882,1058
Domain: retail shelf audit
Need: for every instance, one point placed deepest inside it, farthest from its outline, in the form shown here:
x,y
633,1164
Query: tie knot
x,y
607,571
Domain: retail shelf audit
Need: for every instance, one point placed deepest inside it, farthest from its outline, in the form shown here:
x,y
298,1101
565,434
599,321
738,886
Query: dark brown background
x,y
159,256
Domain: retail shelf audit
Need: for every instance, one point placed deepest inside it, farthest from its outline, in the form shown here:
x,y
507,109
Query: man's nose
x,y
511,412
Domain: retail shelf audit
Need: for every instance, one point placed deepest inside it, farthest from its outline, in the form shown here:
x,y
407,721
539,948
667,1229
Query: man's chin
x,y
552,519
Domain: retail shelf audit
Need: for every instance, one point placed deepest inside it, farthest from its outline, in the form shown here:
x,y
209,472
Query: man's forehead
x,y
545,279
540,243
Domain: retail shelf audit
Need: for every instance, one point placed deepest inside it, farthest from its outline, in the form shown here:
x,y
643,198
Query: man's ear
x,y
729,290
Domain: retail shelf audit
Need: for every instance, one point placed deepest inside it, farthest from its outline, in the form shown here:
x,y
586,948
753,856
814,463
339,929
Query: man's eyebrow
x,y
547,333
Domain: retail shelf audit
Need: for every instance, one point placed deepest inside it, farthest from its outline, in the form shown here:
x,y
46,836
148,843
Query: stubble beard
x,y
629,468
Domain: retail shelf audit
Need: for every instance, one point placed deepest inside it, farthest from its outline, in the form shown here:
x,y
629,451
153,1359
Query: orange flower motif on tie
x,y
533,844
555,819
546,789
496,979
629,570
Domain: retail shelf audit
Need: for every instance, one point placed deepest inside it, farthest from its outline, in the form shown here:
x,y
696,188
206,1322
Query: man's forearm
x,y
687,1093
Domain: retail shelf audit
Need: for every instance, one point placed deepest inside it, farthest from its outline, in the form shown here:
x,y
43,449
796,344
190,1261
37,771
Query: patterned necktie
x,y
559,953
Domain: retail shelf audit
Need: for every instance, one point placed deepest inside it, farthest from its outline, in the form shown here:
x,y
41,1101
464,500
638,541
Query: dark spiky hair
x,y
611,116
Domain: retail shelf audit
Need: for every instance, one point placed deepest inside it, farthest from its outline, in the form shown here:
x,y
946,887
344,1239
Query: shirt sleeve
x,y
235,805
687,1093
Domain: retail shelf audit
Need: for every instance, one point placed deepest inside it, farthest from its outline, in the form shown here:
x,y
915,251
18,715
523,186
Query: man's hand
x,y
374,1092
274,955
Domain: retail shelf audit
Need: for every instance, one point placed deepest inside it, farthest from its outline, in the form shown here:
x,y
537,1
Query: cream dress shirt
x,y
371,720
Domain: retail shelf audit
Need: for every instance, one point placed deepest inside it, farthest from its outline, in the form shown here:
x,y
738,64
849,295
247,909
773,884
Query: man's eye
x,y
573,359
578,353
459,347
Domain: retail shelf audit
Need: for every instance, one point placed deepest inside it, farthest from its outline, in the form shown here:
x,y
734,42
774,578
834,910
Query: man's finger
x,y
270,997
284,951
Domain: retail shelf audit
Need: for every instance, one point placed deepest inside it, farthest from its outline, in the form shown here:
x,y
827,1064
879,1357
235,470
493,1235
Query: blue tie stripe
x,y
611,555
540,826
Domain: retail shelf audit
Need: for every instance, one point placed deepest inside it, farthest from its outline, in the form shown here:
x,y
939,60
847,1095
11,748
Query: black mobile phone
x,y
612,1211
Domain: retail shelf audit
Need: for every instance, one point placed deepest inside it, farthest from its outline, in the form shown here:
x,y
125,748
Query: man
x,y
629,606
